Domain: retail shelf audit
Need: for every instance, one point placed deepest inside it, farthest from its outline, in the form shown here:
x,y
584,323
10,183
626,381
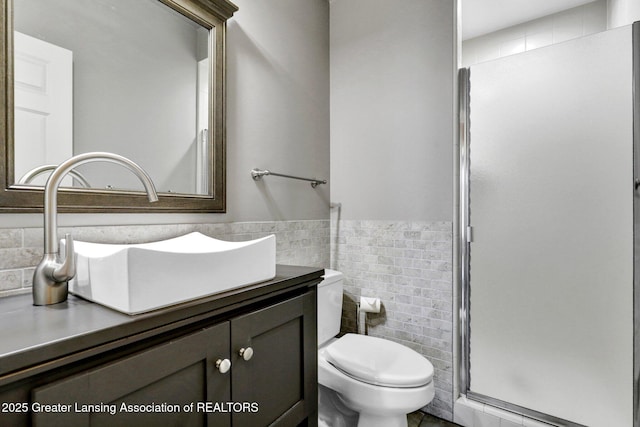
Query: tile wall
x,y
469,413
570,24
408,265
297,243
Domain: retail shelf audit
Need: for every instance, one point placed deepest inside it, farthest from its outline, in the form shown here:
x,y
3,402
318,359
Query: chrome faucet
x,y
52,273
33,173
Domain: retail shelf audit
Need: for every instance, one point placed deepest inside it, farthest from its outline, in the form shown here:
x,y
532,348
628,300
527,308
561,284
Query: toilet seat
x,y
379,362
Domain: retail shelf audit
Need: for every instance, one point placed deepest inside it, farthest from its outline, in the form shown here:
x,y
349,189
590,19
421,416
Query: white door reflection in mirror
x,y
43,105
202,125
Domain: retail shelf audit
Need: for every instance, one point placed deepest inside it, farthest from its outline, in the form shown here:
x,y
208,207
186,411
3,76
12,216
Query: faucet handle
x,y
65,271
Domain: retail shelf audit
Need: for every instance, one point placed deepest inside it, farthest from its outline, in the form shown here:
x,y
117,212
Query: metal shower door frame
x,y
466,237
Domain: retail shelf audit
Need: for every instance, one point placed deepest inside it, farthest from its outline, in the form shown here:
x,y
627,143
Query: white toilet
x,y
380,380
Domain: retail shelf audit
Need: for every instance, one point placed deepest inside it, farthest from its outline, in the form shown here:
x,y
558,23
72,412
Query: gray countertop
x,y
31,336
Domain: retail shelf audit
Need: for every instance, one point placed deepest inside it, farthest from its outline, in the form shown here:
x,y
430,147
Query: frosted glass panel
x,y
551,198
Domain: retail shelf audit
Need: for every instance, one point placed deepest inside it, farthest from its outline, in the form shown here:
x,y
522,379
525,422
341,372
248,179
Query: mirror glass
x,y
128,77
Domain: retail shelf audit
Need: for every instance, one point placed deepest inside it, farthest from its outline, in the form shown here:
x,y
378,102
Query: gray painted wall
x,y
392,70
278,108
392,167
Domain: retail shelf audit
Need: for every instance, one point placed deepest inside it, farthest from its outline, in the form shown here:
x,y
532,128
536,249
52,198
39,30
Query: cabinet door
x,y
172,376
281,376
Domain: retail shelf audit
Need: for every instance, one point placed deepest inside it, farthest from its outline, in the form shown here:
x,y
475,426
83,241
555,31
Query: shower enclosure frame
x,y
636,223
466,237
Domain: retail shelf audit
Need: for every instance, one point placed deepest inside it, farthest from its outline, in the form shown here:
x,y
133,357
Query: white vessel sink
x,y
138,278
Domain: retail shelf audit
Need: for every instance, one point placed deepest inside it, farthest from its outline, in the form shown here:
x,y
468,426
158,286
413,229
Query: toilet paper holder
x,y
369,305
366,305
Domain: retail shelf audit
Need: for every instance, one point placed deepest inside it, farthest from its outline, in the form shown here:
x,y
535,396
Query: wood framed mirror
x,y
141,79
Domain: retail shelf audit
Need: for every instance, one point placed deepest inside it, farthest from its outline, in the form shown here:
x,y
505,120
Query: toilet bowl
x,y
379,379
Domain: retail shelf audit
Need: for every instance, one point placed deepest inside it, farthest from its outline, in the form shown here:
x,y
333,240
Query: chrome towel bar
x,y
257,175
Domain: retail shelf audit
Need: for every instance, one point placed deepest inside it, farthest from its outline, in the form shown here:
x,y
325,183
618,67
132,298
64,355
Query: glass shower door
x,y
551,211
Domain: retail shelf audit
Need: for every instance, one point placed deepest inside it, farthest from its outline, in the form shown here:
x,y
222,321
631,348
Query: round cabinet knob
x,y
223,365
246,353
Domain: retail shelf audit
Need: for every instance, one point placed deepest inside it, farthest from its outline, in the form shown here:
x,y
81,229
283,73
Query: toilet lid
x,y
378,361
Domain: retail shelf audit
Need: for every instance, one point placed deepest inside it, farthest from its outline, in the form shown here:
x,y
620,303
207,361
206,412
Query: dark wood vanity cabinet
x,y
174,374
177,381
281,376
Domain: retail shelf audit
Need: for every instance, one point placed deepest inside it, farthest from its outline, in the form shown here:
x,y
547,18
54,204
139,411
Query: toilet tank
x,y
329,305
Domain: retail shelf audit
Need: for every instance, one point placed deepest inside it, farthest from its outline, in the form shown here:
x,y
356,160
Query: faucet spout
x,y
33,173
52,273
